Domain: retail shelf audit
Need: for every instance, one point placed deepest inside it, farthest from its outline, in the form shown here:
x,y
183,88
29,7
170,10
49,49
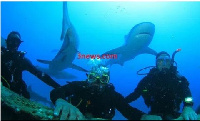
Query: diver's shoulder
x,y
110,86
152,72
77,83
22,53
181,77
3,48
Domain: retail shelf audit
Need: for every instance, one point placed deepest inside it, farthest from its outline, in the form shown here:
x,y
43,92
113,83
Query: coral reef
x,y
16,107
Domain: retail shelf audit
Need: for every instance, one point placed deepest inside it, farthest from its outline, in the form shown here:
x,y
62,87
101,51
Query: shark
x,y
136,43
38,98
69,49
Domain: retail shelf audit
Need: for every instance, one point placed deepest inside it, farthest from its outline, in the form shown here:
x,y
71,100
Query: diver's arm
x,y
64,109
125,109
136,94
188,113
132,113
187,96
58,93
42,76
63,91
133,96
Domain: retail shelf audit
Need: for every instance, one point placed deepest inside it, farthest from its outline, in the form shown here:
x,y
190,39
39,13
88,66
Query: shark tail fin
x,y
44,61
65,21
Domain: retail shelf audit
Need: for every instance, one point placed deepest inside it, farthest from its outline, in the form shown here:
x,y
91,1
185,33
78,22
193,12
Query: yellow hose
x,y
6,81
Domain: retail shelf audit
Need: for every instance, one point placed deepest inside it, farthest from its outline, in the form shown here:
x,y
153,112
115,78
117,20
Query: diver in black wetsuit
x,y
13,63
198,110
93,98
164,89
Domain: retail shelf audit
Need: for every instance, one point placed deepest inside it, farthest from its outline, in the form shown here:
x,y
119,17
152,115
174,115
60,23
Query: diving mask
x,y
94,77
163,61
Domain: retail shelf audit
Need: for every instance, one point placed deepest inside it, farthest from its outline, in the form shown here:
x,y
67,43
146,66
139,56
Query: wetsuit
x,y
163,93
100,104
198,110
12,66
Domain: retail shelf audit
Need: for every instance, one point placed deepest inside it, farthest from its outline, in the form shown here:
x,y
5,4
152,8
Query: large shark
x,y
68,50
136,42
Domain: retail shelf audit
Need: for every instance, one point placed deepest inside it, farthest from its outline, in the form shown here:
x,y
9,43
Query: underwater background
x,y
101,26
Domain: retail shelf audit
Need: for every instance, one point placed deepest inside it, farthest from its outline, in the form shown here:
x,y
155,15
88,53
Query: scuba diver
x,y
14,62
164,89
198,110
93,98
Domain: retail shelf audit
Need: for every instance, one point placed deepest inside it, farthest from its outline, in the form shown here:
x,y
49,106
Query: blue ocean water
x,y
101,26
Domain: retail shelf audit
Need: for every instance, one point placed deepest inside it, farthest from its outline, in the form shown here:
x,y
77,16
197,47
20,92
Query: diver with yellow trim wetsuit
x,y
164,89
93,98
14,62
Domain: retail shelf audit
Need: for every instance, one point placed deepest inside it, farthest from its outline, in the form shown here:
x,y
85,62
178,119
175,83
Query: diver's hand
x,y
67,111
150,117
188,113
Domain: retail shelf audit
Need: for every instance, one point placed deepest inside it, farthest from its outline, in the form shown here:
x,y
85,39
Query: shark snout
x,y
145,28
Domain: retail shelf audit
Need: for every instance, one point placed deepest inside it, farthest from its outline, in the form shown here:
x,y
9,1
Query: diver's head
x,y
99,76
163,61
13,41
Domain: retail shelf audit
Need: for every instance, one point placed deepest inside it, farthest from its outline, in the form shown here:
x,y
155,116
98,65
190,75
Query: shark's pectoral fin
x,y
149,51
78,68
44,61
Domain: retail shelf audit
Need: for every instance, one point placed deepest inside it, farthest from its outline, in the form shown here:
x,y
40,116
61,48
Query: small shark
x,y
57,74
37,98
136,43
68,50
